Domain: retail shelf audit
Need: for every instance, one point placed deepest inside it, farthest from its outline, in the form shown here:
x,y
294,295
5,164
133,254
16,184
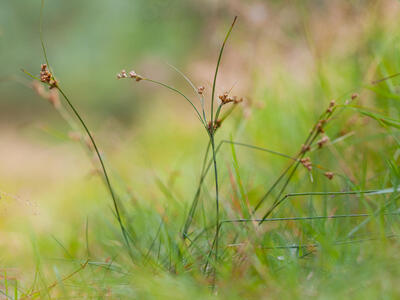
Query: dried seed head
x,y
223,97
320,126
305,148
47,77
124,74
331,106
217,124
329,175
226,99
322,141
354,96
238,100
200,90
132,74
306,162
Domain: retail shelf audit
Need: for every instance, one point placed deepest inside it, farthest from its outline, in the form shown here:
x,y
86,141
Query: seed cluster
x,y
47,77
217,124
226,99
200,90
322,142
132,74
317,130
329,175
306,162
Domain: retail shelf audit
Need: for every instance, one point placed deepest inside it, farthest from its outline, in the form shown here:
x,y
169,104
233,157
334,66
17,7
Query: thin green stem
x,y
41,34
216,201
197,195
217,68
368,192
108,183
180,93
200,96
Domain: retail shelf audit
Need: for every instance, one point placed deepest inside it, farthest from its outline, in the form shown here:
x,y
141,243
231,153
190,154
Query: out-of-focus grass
x,y
289,60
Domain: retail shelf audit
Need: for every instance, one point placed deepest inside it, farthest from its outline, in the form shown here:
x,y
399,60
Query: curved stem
x,y
217,68
107,179
180,93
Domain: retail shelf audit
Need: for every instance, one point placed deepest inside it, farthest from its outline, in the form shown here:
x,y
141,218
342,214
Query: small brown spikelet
x,y
331,106
217,124
132,74
47,77
322,142
320,126
306,162
200,90
305,148
354,96
225,99
329,175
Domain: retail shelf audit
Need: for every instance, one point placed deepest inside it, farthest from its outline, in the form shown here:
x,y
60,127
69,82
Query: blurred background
x,y
288,59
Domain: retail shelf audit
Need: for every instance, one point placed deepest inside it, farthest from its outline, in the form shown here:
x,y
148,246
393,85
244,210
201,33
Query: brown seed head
x,y
329,175
47,77
354,96
132,74
320,126
226,99
200,90
238,100
305,148
306,162
217,124
124,74
223,97
322,141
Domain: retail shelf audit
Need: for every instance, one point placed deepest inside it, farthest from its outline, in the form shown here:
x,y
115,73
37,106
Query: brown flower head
x,y
47,77
322,141
306,162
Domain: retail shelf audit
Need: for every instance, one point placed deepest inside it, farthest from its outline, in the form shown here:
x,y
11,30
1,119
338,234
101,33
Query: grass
x,y
264,224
